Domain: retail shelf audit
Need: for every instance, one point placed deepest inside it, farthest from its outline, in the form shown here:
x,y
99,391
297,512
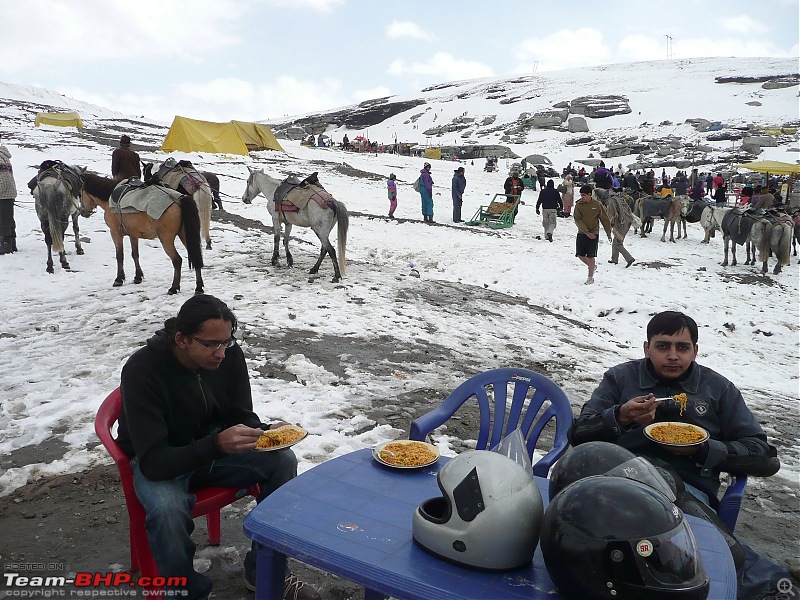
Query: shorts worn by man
x,y
624,403
187,422
589,214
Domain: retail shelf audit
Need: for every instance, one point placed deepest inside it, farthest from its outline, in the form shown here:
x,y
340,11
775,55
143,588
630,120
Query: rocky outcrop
x,y
365,115
781,82
598,107
577,125
751,148
756,79
760,140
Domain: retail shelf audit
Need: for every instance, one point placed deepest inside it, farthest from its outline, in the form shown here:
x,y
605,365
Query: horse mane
x,y
98,185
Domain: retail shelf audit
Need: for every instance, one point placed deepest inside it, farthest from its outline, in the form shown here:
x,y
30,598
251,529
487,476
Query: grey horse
x,y
320,219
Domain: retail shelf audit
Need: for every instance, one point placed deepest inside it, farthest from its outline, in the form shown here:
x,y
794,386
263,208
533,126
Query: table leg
x,y
270,573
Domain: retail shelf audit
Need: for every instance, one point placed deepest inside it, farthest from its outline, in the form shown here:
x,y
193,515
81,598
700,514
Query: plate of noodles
x,y
676,434
405,454
280,438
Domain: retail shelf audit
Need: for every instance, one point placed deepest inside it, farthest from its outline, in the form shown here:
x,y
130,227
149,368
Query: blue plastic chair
x,y
728,509
492,412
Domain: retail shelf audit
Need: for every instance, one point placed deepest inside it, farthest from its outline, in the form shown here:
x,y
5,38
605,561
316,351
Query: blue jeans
x,y
758,576
168,506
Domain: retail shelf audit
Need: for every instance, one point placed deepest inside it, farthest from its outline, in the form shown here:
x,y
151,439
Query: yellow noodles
x,y
681,399
409,454
280,436
675,433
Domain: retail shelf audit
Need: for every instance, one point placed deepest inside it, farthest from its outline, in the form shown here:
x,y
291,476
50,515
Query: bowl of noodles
x,y
405,454
280,437
676,434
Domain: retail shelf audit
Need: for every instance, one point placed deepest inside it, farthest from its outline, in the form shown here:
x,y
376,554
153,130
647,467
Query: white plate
x,y
649,428
376,453
271,448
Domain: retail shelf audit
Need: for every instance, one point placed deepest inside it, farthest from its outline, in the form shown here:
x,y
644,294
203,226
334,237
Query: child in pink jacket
x,y
392,187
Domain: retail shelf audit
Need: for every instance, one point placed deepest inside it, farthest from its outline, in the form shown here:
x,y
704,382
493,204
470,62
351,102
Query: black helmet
x,y
604,458
611,537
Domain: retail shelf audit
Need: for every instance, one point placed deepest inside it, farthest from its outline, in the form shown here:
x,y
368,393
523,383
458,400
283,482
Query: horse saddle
x,y
180,175
69,175
293,195
133,195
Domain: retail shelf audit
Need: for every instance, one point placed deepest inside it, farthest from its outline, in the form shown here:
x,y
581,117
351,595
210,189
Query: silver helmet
x,y
488,516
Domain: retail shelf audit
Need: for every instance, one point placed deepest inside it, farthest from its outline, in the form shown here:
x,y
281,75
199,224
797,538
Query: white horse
x,y
186,179
773,235
711,220
320,219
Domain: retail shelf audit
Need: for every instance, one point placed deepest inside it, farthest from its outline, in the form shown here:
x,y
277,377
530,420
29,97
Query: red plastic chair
x,y
209,500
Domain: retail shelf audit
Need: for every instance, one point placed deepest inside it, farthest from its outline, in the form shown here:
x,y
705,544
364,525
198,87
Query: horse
x,y
711,220
736,228
56,194
181,219
183,177
796,220
213,183
693,214
668,208
773,232
320,219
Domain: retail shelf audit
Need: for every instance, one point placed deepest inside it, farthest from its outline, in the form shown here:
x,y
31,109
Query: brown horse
x,y
181,219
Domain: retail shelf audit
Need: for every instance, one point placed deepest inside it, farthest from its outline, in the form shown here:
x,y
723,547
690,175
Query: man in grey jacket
x,y
625,402
8,191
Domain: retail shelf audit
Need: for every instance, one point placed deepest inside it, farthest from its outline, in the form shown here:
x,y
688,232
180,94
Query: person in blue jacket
x,y
426,192
458,186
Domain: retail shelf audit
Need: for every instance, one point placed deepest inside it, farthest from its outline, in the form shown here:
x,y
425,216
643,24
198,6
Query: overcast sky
x,y
259,59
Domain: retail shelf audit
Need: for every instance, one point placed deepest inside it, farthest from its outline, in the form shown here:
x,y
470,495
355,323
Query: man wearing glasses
x,y
187,422
588,215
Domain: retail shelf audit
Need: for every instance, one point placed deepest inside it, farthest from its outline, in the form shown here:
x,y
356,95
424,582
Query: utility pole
x,y
535,66
669,45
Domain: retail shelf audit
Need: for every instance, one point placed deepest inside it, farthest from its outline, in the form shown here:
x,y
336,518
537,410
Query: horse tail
x,y
50,194
342,225
190,219
203,198
785,244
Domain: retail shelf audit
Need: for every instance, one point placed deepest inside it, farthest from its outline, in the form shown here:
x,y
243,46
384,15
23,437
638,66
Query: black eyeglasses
x,y
215,345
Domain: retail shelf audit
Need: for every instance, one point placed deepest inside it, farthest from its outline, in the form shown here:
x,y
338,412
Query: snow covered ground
x,y
66,336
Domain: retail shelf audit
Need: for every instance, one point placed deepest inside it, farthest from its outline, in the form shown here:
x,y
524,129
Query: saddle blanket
x,y
69,175
186,177
131,195
299,197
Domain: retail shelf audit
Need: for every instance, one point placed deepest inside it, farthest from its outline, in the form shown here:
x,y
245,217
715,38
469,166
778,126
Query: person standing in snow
x,y
589,214
568,195
550,203
426,192
8,191
459,184
513,186
124,161
391,185
621,217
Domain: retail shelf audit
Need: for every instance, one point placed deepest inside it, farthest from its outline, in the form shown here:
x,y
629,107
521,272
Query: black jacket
x,y
170,414
549,197
125,163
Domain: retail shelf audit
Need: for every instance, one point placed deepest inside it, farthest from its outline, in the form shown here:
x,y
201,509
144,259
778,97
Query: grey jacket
x,y
8,188
737,444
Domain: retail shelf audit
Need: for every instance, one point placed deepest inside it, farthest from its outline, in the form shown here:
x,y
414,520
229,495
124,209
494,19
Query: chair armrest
x,y
423,425
731,501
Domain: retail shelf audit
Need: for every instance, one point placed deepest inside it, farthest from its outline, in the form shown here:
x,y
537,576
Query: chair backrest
x,y
528,386
107,415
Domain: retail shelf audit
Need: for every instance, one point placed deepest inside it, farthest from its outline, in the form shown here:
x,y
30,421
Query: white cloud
x,y
325,6
97,31
641,47
743,24
563,49
406,29
441,66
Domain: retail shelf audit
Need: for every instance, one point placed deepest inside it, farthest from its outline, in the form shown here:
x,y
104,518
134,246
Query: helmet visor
x,y
670,560
641,470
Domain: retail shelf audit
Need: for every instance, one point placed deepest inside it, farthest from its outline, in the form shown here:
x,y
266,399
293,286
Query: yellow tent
x,y
256,136
771,166
434,153
234,137
65,119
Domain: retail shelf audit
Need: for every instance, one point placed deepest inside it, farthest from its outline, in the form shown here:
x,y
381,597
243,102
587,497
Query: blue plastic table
x,y
352,516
